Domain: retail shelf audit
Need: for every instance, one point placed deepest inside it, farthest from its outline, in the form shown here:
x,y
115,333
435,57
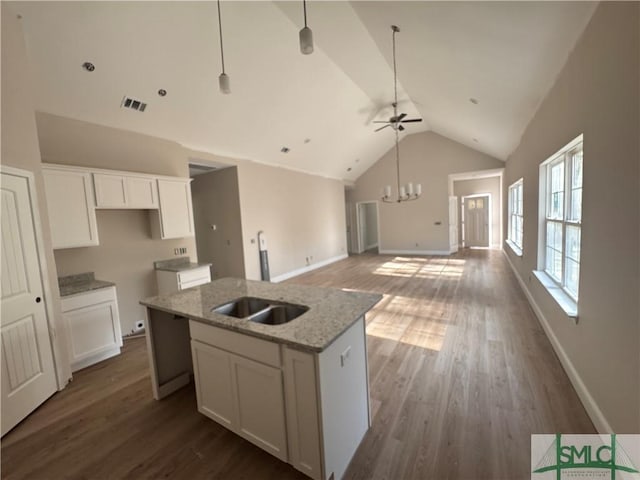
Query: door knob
x,y
38,299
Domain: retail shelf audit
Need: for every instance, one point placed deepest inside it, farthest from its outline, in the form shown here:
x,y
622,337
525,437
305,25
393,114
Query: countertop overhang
x,y
331,311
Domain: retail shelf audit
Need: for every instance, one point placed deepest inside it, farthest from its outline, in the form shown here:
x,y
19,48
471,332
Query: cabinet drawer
x,y
88,298
201,275
240,344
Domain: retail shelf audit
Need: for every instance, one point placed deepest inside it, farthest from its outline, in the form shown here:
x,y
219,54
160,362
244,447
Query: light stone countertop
x,y
179,264
331,311
80,283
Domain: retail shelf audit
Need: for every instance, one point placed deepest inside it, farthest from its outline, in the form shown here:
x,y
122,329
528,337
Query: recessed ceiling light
x,y
162,92
474,100
357,160
475,140
285,149
307,140
88,66
349,169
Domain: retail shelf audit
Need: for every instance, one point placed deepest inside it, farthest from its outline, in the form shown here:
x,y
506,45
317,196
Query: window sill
x,y
565,302
517,250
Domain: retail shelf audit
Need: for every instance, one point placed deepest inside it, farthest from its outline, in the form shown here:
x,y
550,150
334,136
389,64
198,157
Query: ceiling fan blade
x,y
411,120
378,129
400,117
379,121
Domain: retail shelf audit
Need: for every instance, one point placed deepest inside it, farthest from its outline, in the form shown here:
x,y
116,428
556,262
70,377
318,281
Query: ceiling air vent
x,y
133,104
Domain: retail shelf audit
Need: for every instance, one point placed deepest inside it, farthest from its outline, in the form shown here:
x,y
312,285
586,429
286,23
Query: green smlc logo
x,y
609,457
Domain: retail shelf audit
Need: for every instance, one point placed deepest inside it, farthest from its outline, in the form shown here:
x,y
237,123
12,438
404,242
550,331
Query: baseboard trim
x,y
590,405
415,252
308,268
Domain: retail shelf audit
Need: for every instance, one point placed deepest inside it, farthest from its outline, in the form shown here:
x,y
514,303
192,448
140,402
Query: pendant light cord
x,y
304,8
395,105
220,30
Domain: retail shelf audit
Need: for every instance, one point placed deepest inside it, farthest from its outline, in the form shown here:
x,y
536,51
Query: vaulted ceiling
x,y
504,55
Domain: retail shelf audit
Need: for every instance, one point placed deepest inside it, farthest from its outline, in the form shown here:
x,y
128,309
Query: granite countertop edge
x,y
81,283
313,331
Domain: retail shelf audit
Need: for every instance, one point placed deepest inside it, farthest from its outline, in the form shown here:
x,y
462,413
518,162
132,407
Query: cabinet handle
x,y
38,299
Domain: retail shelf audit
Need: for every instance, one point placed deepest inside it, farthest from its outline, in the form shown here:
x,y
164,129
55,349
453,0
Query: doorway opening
x,y
368,227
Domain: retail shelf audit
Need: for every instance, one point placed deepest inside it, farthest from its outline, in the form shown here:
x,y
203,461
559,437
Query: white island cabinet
x,y
298,390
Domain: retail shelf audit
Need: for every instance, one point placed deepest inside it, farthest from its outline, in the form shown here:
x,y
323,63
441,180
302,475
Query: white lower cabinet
x,y
93,326
243,395
308,409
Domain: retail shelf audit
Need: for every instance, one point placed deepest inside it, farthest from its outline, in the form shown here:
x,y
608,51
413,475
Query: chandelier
x,y
405,192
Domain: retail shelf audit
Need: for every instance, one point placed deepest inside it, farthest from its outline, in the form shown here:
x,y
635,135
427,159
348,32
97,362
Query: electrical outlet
x,y
180,251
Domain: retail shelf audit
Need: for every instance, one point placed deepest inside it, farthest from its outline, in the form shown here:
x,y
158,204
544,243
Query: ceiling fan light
x,y
306,41
225,84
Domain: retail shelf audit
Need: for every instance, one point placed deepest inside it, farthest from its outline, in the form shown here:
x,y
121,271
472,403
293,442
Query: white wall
x,y
596,94
426,158
20,149
303,216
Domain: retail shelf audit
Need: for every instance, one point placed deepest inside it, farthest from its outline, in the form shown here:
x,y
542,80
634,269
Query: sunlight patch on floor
x,y
423,268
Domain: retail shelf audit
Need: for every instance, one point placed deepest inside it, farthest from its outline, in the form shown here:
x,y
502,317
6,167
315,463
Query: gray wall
x,y
216,201
595,94
426,158
475,186
302,216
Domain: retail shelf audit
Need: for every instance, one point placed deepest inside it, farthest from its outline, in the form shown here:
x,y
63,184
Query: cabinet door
x,y
303,425
71,208
176,215
110,190
142,192
260,402
93,332
214,390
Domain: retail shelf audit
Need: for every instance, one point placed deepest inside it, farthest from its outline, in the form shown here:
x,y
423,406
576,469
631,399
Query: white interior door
x,y
28,372
453,224
476,221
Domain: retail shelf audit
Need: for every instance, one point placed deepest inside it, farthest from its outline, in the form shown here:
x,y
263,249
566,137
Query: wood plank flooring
x,y
461,374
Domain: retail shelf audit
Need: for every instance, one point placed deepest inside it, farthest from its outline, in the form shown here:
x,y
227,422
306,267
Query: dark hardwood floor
x,y
461,375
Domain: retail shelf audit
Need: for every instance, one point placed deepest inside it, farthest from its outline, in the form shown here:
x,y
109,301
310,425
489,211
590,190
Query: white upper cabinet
x,y
71,207
176,212
125,191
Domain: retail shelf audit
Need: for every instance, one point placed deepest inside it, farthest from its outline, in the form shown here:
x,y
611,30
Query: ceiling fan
x,y
396,121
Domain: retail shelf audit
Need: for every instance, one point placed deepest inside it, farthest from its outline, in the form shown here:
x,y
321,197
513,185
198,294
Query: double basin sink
x,y
259,310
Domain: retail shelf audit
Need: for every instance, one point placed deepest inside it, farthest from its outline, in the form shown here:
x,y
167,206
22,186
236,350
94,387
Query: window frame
x,y
516,187
565,220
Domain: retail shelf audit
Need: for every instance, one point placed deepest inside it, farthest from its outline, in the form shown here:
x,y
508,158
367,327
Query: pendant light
x,y
223,79
306,35
405,192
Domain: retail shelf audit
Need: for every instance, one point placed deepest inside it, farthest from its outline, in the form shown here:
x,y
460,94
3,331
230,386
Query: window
x,y
561,191
516,219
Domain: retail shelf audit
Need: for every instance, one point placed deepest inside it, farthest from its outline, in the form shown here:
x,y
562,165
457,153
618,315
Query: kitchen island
x,y
297,388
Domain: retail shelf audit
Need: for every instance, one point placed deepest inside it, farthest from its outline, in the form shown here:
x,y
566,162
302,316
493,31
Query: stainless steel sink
x,y
259,310
242,307
278,314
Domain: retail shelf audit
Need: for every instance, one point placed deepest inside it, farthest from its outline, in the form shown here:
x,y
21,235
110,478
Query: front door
x,y
28,372
476,221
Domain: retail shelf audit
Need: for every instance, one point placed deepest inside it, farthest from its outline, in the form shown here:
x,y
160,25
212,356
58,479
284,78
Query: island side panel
x,y
344,394
169,350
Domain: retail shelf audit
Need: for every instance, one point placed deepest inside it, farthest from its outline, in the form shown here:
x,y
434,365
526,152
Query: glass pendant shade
x,y
225,84
306,41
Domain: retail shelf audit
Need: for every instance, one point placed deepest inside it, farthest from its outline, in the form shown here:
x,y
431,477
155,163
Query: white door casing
x,y
453,224
28,371
476,221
